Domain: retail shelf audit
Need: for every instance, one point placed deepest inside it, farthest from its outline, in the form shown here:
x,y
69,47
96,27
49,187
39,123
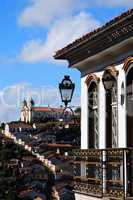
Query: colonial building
x,y
104,165
32,113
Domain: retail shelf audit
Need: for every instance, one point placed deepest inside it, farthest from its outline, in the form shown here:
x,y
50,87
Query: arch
x,y
129,103
112,71
127,63
92,77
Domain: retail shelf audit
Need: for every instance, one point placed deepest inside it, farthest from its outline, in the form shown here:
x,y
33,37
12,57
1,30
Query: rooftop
x,y
48,109
111,33
18,124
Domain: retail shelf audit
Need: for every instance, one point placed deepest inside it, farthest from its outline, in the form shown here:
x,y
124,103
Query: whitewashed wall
x,y
102,111
84,114
121,108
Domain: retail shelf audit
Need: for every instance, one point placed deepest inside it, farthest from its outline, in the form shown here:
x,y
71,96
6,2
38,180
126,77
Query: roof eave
x,y
68,51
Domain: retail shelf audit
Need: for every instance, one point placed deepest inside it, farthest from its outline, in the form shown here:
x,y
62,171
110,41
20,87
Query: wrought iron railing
x,y
104,173
87,172
115,186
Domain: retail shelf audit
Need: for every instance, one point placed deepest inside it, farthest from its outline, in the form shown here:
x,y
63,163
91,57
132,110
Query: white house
x,y
105,59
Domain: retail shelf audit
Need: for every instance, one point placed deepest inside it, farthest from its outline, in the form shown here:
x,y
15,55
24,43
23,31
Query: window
x,y
93,115
110,85
114,116
129,105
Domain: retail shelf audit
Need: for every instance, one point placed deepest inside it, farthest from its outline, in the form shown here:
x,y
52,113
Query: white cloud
x,y
11,99
42,12
115,3
61,33
62,25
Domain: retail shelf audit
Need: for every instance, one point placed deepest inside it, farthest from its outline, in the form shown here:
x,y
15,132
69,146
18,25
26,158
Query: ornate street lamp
x,y
66,88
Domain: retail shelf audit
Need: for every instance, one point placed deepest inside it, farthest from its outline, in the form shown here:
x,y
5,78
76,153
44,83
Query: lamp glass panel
x,y
66,94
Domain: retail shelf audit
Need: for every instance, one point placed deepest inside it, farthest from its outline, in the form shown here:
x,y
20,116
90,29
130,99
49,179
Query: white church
x,y
31,113
104,164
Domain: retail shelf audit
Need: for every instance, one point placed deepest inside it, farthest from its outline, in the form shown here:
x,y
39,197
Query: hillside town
x,y
69,149
44,147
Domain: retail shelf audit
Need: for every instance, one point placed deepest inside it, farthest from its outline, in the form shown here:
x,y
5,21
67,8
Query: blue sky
x,y
31,31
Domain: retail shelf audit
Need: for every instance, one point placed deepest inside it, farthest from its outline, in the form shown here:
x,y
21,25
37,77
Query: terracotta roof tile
x,y
19,124
59,145
48,109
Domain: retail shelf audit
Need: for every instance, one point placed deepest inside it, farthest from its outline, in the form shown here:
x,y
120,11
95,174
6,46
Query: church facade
x,y
31,113
104,164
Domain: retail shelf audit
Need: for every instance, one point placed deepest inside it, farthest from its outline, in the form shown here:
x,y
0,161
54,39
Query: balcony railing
x,y
104,173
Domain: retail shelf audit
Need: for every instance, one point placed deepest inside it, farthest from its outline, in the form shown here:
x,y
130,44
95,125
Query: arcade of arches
x,y
111,108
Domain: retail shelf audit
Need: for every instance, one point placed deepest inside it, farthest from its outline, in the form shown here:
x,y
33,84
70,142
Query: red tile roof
x,y
18,124
48,109
87,36
60,145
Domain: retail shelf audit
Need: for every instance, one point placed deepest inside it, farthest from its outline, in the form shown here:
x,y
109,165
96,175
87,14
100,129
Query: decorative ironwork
x,y
115,173
104,173
88,189
90,179
129,164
